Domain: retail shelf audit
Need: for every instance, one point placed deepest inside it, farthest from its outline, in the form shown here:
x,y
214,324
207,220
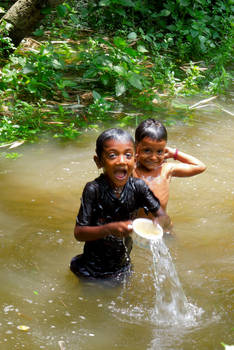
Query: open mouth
x,y
120,174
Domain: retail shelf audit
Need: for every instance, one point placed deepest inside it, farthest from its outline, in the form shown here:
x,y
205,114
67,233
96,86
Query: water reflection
x,y
40,196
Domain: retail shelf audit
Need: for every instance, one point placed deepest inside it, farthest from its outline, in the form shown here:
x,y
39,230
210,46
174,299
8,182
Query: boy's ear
x,y
98,162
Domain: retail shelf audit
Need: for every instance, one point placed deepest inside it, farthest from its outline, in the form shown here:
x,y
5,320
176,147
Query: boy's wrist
x,y
175,155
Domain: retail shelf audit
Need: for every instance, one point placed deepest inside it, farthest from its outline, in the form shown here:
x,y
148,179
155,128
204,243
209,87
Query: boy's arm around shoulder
x,y
188,165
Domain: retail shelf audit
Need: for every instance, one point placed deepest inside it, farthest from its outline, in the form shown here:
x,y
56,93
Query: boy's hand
x,y
169,152
165,223
119,229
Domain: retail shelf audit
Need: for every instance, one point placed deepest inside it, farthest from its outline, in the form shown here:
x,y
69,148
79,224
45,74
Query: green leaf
x,y
90,73
120,88
135,81
119,42
96,95
61,10
28,68
131,52
194,33
69,83
171,27
184,2
105,79
121,12
13,155
120,70
38,32
132,36
104,3
127,3
165,13
8,25
141,48
202,38
56,64
74,18
46,10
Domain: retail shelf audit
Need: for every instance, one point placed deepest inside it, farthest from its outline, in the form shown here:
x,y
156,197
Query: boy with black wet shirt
x,y
108,205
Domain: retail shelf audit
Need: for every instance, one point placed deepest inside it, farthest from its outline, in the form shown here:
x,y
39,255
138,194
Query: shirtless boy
x,y
152,153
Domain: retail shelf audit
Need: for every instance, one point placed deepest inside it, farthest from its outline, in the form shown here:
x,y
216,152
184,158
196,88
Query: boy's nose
x,y
154,156
121,158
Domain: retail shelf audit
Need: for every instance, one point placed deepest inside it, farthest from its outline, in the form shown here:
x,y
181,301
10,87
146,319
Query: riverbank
x,y
76,74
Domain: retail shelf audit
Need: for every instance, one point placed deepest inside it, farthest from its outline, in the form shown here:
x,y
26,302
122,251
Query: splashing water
x,y
171,306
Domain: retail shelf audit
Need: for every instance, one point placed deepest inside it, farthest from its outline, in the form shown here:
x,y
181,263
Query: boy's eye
x,y
160,151
111,155
147,150
128,155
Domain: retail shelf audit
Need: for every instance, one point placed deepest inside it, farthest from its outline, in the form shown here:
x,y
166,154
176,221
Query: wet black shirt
x,y
99,205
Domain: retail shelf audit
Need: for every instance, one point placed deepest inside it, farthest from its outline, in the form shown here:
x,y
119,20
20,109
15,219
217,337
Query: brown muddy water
x,y
44,306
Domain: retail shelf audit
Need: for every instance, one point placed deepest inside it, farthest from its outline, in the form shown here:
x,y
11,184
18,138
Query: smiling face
x,y
117,161
150,153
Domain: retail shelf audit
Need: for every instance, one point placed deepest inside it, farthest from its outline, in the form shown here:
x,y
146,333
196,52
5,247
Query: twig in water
x,y
217,106
207,105
201,102
228,112
13,144
62,302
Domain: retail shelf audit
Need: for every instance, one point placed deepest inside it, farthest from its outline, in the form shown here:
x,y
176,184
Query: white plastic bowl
x,y
144,231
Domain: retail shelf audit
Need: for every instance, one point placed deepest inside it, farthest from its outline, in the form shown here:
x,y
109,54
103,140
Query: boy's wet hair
x,y
112,134
151,128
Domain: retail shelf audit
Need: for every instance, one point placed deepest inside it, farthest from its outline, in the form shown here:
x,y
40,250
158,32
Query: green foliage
x,y
24,122
182,30
12,155
192,29
99,109
37,75
158,50
6,44
68,132
116,66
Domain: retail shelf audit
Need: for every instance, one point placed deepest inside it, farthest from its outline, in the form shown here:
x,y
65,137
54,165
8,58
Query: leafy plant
x,y
13,155
6,44
115,65
127,54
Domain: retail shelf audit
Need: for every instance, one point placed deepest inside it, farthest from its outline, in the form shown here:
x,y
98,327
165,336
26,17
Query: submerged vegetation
x,y
90,62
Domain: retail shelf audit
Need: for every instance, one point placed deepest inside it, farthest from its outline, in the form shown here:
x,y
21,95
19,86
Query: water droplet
x,y
23,327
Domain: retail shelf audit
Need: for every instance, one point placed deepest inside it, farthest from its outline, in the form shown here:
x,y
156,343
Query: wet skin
x,y
117,161
153,168
150,154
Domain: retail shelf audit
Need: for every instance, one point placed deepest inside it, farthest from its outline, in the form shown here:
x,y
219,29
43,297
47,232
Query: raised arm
x,y
187,166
